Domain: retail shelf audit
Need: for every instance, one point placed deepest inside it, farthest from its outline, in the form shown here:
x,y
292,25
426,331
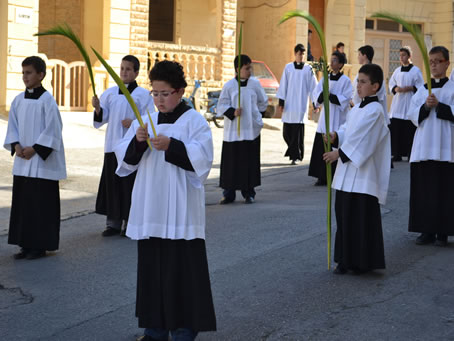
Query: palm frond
x,y
415,31
240,41
327,145
151,123
66,31
124,90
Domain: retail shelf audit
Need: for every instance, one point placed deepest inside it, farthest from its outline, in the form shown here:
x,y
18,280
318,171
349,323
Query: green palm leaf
x,y
417,35
240,41
66,31
125,92
327,144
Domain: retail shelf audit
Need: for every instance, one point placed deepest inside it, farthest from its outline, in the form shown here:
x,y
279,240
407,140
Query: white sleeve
x,y
345,95
262,98
51,135
282,91
12,132
104,104
225,101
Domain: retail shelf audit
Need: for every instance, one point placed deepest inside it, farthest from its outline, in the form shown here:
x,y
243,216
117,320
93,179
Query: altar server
x,y
240,159
361,178
340,91
113,109
365,56
168,211
404,83
295,91
432,155
34,134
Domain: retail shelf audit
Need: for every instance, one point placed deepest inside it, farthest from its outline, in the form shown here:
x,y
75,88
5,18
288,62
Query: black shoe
x,y
110,231
425,238
145,338
35,254
21,254
249,200
396,158
340,270
225,201
320,183
442,240
293,163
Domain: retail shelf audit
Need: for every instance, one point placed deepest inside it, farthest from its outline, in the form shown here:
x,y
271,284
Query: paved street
x,y
267,262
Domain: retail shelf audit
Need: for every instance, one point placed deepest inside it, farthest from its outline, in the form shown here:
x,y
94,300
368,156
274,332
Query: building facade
x,y
200,34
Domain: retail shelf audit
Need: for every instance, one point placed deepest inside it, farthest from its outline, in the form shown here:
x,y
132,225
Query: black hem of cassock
x,y
240,165
402,134
359,237
317,167
431,189
293,134
114,192
35,214
173,285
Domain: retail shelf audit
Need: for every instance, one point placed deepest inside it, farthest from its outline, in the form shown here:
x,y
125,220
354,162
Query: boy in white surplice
x,y
35,135
361,178
168,211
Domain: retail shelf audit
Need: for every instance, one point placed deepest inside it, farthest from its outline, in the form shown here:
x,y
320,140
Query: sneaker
x,y
110,231
35,254
442,240
225,201
21,254
249,200
340,270
425,238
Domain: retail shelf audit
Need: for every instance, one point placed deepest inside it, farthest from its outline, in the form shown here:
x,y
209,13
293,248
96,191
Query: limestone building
x,y
200,34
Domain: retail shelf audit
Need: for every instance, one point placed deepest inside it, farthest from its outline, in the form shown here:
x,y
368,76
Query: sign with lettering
x,y
24,16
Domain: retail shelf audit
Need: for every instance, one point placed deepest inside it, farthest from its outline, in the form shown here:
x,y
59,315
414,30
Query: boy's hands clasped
x,y
160,142
24,153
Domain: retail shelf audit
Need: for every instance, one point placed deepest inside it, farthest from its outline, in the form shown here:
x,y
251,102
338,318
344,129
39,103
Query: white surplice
x,y
115,108
342,88
37,121
434,137
167,201
253,102
296,88
365,140
402,100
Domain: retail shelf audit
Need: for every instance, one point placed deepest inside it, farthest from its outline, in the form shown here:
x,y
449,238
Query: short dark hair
x,y
339,44
170,72
134,60
368,51
244,60
299,47
406,49
440,49
374,72
340,57
309,31
38,64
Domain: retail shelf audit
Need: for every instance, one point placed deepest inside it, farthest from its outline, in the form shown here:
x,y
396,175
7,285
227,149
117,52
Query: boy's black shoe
x,y
425,238
21,254
293,163
249,200
225,201
320,183
35,254
340,270
396,158
110,231
442,240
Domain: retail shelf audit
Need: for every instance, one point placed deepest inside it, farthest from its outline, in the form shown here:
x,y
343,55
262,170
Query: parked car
x,y
269,82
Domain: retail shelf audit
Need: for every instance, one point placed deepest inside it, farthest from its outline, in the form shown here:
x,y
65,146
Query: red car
x,y
269,82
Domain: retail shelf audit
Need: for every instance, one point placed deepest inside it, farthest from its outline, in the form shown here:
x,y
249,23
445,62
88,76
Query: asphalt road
x,y
267,262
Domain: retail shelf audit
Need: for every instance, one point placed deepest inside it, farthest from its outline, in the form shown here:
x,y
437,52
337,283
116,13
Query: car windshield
x,y
260,71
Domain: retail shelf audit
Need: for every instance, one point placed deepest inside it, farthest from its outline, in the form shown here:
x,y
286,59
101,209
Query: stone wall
x,y
139,37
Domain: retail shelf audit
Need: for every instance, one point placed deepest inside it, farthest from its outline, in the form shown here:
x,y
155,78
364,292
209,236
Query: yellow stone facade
x,y
204,38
